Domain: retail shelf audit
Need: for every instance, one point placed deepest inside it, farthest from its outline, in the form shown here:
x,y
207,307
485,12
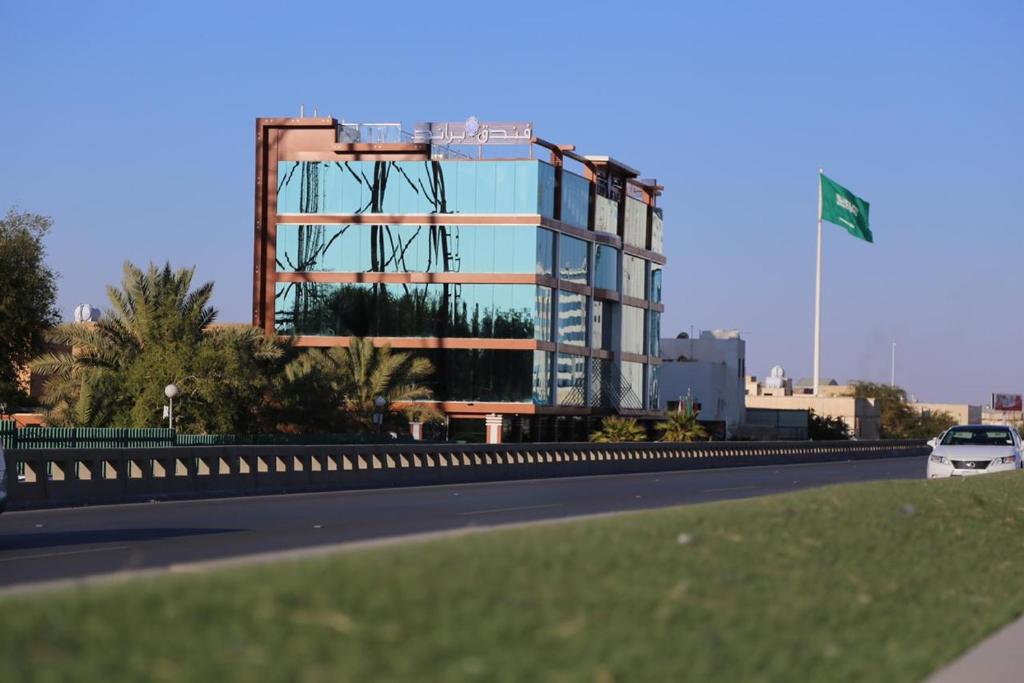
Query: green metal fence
x,y
83,437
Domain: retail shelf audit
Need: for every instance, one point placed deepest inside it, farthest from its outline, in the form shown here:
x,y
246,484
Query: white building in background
x,y
709,370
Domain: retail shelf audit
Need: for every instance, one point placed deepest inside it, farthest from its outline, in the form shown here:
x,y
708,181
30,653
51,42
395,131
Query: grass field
x,y
871,582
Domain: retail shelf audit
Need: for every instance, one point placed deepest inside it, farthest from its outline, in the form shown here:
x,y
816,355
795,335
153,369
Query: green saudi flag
x,y
845,209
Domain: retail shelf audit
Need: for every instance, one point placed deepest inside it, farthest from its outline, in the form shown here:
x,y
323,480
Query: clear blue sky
x,y
133,128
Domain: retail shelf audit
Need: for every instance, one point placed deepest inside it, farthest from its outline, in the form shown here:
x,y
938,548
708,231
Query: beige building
x,y
1001,417
861,415
962,413
777,393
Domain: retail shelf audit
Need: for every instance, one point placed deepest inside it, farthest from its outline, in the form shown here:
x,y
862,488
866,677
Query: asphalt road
x,y
74,543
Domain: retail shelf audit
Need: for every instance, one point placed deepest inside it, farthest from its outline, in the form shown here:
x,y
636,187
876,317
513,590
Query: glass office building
x,y
532,281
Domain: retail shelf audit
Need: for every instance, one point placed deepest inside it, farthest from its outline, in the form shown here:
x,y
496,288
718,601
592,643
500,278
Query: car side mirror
x,y
933,442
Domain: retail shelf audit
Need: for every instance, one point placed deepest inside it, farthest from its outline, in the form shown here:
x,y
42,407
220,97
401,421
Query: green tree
x,y
898,419
28,292
929,424
827,428
896,416
113,372
336,389
618,429
682,425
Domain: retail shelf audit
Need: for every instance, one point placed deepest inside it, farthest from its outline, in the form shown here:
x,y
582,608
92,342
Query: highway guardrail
x,y
55,477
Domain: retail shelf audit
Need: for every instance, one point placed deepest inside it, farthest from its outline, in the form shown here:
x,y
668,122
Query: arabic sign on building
x,y
473,132
1006,402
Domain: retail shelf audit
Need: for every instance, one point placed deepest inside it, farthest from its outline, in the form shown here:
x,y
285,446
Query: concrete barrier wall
x,y
75,476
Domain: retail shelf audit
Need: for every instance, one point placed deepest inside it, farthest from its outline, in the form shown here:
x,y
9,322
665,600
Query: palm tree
x,y
346,381
153,308
682,426
113,372
618,429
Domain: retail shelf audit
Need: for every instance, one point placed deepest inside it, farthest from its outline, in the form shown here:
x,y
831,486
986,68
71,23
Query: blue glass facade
x,y
415,187
513,308
404,248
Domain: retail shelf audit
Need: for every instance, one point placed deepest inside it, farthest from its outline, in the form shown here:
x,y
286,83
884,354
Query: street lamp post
x,y
170,391
378,414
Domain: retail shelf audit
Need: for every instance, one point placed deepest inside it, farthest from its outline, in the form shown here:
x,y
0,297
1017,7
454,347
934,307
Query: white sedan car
x,y
966,450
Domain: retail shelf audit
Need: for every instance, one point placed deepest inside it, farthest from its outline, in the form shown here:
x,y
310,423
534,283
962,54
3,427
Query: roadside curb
x,y
997,659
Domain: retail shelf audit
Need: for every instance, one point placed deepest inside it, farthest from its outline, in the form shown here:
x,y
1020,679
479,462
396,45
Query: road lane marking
x,y
525,507
61,554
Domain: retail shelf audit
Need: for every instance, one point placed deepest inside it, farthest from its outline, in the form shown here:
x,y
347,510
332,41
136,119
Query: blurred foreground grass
x,y
866,582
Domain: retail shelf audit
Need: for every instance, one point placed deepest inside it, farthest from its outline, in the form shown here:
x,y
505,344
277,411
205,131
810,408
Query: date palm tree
x,y
619,429
337,388
682,426
113,371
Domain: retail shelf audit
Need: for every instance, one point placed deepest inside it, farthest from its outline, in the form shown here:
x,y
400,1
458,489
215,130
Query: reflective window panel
x,y
603,387
545,252
602,324
546,189
633,273
632,329
636,223
572,318
653,388
655,334
403,248
606,267
483,374
410,310
366,187
655,283
542,377
572,259
542,321
606,215
575,200
571,380
657,232
632,384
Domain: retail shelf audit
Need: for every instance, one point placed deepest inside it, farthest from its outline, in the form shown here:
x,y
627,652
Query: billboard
x,y
1006,402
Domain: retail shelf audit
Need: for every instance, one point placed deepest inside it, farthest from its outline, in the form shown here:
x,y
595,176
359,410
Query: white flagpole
x,y
817,299
892,375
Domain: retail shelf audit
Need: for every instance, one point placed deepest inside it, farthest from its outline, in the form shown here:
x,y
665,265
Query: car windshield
x,y
977,436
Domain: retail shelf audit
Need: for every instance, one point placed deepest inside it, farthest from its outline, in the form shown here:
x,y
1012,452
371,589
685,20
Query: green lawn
x,y
872,582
